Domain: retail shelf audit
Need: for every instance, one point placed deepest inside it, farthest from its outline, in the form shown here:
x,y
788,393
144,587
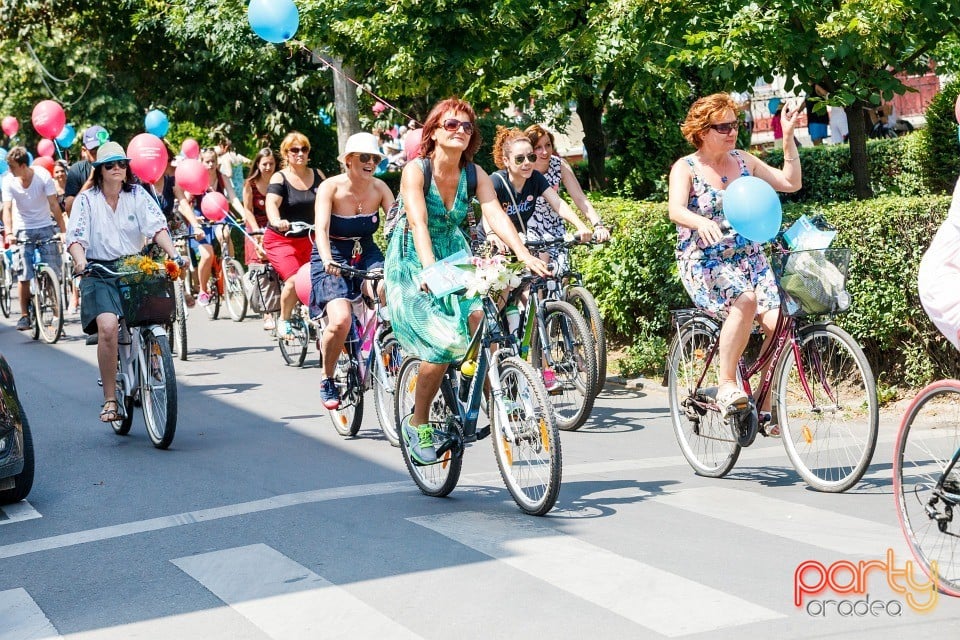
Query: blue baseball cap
x,y
94,136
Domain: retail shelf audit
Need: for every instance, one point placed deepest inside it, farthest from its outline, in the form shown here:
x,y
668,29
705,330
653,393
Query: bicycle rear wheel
x,y
705,439
213,288
927,443
233,292
526,441
440,478
122,426
346,419
178,334
158,389
384,374
4,288
294,350
586,305
48,306
570,347
831,433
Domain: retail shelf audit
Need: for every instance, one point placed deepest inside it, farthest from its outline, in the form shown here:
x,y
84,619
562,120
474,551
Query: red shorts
x,y
286,255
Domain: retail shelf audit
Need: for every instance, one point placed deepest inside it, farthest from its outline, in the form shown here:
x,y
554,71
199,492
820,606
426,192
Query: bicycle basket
x,y
147,300
813,282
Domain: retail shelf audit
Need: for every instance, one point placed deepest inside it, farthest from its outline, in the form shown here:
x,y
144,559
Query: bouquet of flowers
x,y
491,275
138,268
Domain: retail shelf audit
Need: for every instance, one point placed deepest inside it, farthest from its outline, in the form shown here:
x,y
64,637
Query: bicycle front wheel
x,y
48,305
347,417
179,333
570,353
827,408
927,445
4,288
384,383
233,292
440,478
294,349
586,305
158,389
705,439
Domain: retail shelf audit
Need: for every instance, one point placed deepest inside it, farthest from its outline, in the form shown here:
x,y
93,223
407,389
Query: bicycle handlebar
x,y
295,227
374,275
566,242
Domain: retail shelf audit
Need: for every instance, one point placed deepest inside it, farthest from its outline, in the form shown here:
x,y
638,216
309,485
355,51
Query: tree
x,y
851,48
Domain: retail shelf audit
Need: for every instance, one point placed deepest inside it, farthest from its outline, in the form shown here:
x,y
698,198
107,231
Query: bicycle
x,y
371,357
824,390
302,328
582,300
145,372
6,281
526,441
926,482
177,328
45,307
226,279
68,284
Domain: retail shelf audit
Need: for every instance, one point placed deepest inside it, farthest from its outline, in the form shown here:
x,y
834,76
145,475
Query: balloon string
x,y
358,85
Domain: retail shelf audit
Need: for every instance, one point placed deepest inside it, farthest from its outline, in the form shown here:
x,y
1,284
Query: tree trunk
x,y
345,102
859,163
591,115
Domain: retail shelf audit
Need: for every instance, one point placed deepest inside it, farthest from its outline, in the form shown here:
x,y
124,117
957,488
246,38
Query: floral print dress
x,y
715,276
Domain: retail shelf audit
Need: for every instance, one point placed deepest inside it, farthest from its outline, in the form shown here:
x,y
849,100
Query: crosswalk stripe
x,y
284,599
801,523
22,619
17,512
651,597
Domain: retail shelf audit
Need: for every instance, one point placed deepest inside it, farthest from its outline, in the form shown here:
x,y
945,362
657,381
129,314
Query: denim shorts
x,y
49,253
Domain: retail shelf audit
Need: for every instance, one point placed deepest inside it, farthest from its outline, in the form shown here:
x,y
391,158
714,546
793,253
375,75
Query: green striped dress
x,y
432,329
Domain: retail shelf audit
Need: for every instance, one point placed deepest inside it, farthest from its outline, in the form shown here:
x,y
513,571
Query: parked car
x,y
16,444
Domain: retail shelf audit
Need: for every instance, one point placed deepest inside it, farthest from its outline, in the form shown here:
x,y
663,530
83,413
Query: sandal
x,y
110,415
731,399
770,428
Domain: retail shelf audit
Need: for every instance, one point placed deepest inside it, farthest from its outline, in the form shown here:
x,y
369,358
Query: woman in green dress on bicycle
x,y
436,330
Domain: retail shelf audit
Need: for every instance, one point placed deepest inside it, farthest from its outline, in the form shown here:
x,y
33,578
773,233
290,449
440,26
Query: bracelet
x,y
598,224
791,158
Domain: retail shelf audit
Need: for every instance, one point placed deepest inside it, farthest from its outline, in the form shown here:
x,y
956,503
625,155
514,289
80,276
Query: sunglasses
x,y
296,150
725,127
530,157
364,158
107,166
452,125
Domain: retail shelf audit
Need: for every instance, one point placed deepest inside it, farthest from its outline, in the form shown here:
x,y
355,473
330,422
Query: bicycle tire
x,y
158,390
704,437
4,289
347,417
574,363
435,480
233,292
48,305
530,459
385,370
32,315
294,351
830,442
178,333
213,289
586,305
122,426
927,440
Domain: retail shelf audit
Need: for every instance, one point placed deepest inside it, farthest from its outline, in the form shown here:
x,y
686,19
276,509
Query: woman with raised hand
x,y
348,211
255,212
724,273
438,330
557,171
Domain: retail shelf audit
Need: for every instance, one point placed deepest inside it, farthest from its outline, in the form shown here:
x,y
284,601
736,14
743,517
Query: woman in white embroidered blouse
x,y
110,221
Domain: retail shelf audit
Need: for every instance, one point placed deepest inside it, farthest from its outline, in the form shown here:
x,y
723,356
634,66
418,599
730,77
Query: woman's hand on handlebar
x,y
79,265
601,234
282,226
535,264
331,267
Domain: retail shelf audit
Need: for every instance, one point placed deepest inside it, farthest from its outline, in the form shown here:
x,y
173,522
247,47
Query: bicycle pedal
x,y
483,433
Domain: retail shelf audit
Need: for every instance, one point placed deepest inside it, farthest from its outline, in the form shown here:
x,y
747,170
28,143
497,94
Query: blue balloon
x,y
156,123
29,158
753,209
67,136
273,20
772,105
3,161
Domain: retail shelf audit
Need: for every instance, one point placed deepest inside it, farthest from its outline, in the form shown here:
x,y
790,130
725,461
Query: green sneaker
x,y
419,441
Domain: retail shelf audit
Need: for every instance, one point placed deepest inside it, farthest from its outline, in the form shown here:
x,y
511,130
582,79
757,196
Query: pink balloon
x,y
48,118
303,283
379,107
190,148
148,157
10,126
44,161
956,111
45,148
192,176
214,206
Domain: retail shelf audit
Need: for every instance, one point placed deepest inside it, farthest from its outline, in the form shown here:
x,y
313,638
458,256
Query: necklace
x,y
723,174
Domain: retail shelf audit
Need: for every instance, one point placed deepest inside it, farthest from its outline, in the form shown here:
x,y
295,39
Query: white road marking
x,y
647,595
284,599
22,619
17,512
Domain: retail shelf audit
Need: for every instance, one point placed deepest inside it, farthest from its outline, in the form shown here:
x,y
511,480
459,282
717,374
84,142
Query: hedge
x,y
635,281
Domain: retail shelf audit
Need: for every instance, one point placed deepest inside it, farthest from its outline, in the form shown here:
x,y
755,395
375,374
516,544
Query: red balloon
x,y
45,148
148,157
214,206
303,284
192,176
190,148
48,118
379,107
10,126
44,161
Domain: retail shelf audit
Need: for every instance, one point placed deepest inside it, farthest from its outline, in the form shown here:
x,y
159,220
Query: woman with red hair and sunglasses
x,y
436,330
726,274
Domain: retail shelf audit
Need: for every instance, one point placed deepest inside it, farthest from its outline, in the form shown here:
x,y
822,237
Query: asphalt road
x,y
261,522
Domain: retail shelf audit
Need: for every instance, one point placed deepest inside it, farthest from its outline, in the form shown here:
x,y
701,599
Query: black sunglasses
x,y
107,166
296,150
452,124
364,158
518,159
725,127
